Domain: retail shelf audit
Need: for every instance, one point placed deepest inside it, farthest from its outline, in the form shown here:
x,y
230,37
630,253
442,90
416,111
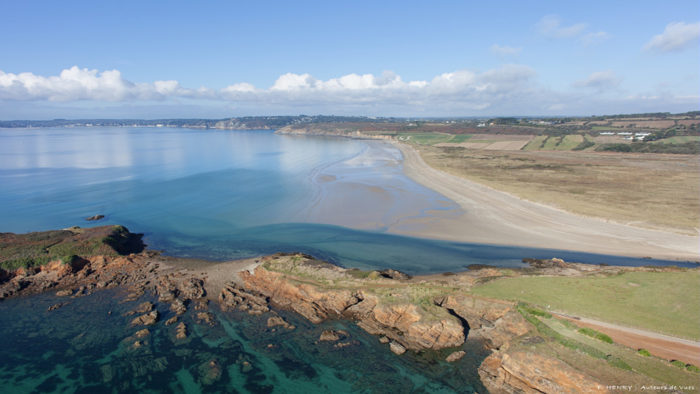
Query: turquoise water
x,y
223,195
231,194
84,347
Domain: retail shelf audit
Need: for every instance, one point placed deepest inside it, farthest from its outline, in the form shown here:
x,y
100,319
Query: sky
x,y
215,59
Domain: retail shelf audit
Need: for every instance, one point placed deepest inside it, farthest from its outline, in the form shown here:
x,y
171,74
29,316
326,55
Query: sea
x,y
223,195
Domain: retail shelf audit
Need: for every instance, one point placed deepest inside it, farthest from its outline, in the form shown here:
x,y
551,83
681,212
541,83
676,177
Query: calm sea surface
x,y
223,195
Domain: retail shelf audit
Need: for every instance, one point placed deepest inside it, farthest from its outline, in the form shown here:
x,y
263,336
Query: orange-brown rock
x,y
332,335
403,323
275,321
146,320
305,299
495,321
527,372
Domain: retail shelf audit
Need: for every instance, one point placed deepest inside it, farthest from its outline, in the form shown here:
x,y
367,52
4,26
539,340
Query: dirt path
x,y
664,346
495,217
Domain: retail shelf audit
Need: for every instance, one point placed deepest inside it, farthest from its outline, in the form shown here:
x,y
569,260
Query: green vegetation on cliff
x,y
36,249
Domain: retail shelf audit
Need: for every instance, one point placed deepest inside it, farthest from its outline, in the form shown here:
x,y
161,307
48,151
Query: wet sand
x,y
494,217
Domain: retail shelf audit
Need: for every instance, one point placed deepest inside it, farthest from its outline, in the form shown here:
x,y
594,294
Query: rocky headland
x,y
434,313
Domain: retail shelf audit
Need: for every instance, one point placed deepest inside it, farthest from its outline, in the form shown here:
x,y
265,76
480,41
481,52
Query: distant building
x,y
607,133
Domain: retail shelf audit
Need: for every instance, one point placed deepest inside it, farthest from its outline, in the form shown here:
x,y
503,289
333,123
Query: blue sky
x,y
394,58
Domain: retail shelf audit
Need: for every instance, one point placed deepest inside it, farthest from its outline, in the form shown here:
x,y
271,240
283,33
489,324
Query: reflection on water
x,y
232,194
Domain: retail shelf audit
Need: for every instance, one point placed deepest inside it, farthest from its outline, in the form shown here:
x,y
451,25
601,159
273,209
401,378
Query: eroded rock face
x,y
234,297
403,323
527,372
495,321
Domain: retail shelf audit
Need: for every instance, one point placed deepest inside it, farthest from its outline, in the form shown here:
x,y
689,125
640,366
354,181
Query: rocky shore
x,y
417,314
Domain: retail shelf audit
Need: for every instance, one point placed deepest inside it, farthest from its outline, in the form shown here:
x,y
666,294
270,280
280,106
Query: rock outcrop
x,y
527,372
403,323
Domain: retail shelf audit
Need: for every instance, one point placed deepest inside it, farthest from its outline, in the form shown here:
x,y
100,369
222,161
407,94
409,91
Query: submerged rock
x,y
178,307
205,318
141,308
275,321
146,320
397,348
181,331
94,218
333,335
455,356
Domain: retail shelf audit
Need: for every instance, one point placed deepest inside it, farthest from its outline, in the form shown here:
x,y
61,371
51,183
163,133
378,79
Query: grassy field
x,y
665,302
678,140
652,190
544,142
425,138
607,361
433,138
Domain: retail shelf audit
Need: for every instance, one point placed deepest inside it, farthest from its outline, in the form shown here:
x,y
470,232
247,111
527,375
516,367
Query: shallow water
x,y
83,348
224,195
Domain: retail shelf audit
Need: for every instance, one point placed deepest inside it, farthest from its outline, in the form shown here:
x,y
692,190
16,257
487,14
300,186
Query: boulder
x,y
146,320
397,348
275,321
454,356
332,335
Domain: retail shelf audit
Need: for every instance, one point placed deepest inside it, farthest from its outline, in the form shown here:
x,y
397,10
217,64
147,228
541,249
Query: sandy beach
x,y
494,217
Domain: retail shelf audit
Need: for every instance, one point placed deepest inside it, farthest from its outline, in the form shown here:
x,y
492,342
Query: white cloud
x,y
601,80
677,36
83,84
550,26
510,89
505,50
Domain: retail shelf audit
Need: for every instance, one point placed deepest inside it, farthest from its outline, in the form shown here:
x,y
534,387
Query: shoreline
x,y
491,216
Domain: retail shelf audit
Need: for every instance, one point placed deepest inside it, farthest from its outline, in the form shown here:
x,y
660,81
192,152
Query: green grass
x,y
681,139
460,138
570,142
426,138
535,143
433,138
679,364
535,311
595,334
644,352
36,249
587,143
622,358
665,302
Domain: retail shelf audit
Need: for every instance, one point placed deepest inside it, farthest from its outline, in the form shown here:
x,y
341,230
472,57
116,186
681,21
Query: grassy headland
x,y
664,302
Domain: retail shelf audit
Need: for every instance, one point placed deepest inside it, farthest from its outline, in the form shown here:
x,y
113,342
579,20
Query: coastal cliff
x,y
433,314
